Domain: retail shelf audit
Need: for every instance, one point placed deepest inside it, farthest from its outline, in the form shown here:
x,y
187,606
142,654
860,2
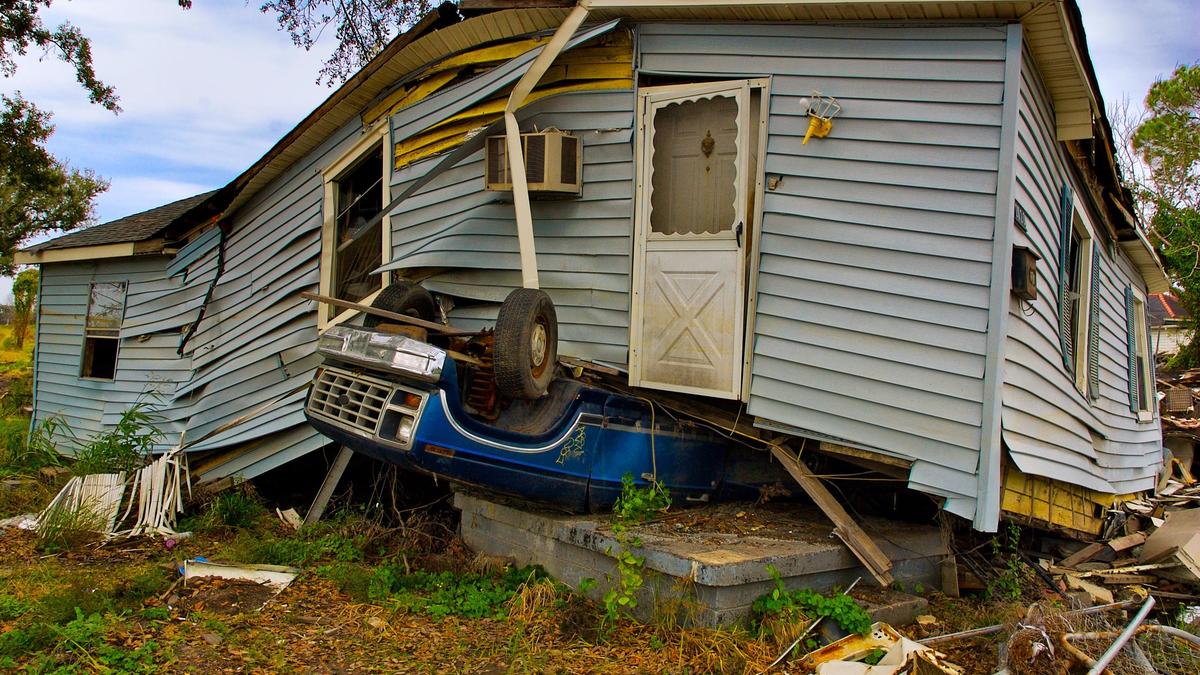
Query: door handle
x,y
737,231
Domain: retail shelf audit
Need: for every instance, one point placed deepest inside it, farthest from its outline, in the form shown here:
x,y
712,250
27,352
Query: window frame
x,y
1141,344
1081,321
90,333
371,139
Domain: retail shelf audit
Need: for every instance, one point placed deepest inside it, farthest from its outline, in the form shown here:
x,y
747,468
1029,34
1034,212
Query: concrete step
x,y
713,568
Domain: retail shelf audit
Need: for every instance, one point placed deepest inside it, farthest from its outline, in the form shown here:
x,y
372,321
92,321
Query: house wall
x,y
583,245
873,281
148,367
1050,428
252,352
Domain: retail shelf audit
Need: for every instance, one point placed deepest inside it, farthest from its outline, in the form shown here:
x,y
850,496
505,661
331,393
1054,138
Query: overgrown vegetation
x,y
793,609
124,448
634,506
1010,580
442,594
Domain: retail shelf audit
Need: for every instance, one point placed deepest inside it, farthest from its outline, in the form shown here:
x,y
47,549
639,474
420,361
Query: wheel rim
x,y
537,348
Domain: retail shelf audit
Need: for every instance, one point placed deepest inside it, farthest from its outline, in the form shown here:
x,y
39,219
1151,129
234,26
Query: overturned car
x,y
490,409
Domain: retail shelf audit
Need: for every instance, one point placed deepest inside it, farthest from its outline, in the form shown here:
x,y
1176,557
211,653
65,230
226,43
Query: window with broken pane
x,y
102,329
358,239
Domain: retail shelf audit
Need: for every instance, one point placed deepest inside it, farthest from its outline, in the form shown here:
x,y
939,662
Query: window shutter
x,y
1093,362
1150,365
1065,329
1131,343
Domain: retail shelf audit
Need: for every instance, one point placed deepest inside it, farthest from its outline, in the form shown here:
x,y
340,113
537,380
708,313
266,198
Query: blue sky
x,y
207,91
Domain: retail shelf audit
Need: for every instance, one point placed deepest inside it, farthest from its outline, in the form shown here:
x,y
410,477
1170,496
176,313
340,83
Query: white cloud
x,y
1135,42
205,92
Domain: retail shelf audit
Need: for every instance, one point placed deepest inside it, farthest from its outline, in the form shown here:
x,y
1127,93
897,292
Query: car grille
x,y
354,400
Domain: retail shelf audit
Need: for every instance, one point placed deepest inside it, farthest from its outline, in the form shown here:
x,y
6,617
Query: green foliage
x,y
637,505
126,447
1010,581
155,613
19,456
25,293
805,602
441,594
350,578
237,508
38,193
1169,140
65,528
12,607
634,506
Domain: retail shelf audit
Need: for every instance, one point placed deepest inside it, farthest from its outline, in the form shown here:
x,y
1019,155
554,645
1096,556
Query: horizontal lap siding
x,y
256,343
873,282
148,368
1050,428
583,245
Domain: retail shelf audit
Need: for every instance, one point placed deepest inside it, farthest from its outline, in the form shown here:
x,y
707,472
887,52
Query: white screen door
x,y
687,321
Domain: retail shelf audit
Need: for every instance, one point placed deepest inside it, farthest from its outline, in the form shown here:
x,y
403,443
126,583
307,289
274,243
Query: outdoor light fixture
x,y
821,110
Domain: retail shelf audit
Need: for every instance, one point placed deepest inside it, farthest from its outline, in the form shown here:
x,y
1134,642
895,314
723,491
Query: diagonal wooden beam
x,y
853,536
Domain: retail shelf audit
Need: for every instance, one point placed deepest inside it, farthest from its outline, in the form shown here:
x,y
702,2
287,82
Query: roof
x,y
1164,308
134,228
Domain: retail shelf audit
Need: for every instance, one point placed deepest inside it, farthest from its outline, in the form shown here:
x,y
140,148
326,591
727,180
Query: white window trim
x,y
1082,320
1145,382
371,138
116,338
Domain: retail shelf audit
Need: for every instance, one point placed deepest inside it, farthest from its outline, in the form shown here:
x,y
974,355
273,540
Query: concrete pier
x,y
711,562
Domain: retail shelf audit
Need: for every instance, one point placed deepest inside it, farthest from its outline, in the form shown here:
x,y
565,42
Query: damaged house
x,y
895,229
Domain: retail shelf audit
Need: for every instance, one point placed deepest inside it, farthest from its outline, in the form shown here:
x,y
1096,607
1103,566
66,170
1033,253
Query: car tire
x,y
402,297
526,344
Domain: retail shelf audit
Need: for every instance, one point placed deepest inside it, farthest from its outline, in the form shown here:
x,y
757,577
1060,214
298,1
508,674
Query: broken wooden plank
x,y
1124,579
1128,541
572,362
876,562
1082,555
328,485
402,318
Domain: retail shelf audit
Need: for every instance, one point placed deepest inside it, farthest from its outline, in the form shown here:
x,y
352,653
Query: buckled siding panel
x,y
583,245
1046,420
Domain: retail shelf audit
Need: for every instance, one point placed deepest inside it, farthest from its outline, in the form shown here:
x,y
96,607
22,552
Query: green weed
x,y
350,578
63,528
805,602
635,506
238,508
12,607
1009,583
442,594
124,448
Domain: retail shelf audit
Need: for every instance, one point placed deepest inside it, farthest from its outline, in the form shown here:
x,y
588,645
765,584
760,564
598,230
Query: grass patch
x,y
442,594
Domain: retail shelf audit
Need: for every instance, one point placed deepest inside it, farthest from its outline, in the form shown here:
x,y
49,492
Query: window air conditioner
x,y
553,163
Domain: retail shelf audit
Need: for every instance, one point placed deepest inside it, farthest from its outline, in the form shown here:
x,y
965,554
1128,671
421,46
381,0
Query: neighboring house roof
x,y
114,236
1165,308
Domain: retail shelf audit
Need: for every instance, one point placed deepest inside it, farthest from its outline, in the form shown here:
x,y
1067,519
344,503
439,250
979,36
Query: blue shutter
x,y
1093,360
1151,367
1065,316
1131,343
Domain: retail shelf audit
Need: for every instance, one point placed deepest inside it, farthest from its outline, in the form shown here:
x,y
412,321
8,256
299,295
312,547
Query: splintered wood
x,y
876,562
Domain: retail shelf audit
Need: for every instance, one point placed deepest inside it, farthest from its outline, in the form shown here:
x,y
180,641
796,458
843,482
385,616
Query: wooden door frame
x,y
753,218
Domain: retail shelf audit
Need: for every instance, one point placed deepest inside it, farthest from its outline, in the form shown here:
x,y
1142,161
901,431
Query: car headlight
x,y
383,350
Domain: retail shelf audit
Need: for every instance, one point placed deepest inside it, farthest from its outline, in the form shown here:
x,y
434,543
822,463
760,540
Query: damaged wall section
x,y
1051,429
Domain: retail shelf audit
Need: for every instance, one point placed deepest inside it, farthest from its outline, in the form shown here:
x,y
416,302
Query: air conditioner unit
x,y
553,163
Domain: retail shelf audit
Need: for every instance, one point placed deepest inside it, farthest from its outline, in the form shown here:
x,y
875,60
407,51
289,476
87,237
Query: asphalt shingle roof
x,y
137,227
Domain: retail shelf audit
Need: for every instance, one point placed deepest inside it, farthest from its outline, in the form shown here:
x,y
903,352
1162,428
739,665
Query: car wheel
x,y
526,344
402,297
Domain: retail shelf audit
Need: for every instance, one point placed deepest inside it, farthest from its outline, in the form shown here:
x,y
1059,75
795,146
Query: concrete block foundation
x,y
708,565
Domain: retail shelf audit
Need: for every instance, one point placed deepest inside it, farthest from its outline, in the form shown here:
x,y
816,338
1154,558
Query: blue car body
x,y
569,450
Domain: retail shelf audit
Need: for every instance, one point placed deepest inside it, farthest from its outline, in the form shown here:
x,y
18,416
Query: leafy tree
x,y
38,193
1167,140
364,27
25,291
